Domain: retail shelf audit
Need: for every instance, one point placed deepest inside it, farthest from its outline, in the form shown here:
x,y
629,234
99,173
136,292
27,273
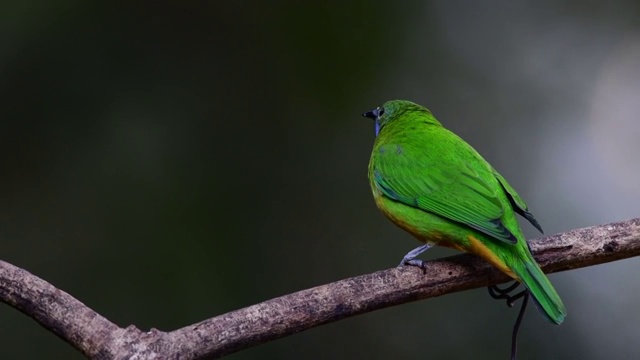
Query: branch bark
x,y
98,338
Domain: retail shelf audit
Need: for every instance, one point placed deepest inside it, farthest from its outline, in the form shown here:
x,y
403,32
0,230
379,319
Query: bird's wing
x,y
516,201
448,188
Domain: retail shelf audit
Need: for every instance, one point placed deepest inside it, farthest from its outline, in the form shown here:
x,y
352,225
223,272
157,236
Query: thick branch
x,y
98,338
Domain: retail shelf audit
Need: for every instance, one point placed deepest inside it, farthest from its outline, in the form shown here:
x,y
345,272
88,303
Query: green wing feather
x,y
516,201
454,187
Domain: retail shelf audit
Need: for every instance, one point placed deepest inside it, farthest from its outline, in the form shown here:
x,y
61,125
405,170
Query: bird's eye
x,y
380,111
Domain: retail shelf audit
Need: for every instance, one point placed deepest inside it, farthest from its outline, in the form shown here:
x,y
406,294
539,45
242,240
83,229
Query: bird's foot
x,y
410,258
414,262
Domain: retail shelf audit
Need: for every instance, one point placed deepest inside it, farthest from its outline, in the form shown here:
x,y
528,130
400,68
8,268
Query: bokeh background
x,y
167,163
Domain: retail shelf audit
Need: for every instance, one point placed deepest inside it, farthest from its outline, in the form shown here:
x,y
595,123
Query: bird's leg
x,y
410,258
500,294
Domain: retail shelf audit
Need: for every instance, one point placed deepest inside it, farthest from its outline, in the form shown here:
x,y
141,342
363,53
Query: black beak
x,y
373,114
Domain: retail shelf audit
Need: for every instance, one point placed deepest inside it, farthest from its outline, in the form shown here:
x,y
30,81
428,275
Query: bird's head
x,y
394,110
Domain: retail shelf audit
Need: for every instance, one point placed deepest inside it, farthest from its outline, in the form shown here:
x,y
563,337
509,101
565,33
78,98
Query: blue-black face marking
x,y
375,115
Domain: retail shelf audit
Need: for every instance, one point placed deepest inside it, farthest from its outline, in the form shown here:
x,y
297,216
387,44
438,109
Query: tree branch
x,y
98,338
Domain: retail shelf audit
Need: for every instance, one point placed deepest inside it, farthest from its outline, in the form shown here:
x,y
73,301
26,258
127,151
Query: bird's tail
x,y
545,296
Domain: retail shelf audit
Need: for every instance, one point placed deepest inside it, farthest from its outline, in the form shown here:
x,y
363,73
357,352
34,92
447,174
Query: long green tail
x,y
546,298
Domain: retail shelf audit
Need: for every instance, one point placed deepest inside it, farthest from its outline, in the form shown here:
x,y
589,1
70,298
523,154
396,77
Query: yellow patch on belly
x,y
480,249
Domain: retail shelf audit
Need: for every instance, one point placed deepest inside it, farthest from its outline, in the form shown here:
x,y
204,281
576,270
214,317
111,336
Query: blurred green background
x,y
168,163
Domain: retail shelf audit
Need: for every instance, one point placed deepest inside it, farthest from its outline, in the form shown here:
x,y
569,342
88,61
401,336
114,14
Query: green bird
x,y
431,183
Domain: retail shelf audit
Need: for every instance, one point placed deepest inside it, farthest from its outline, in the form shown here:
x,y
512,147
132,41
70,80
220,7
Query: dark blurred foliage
x,y
167,163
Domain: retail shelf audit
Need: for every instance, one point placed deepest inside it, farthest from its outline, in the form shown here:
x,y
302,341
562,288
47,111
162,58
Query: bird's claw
x,y
415,262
